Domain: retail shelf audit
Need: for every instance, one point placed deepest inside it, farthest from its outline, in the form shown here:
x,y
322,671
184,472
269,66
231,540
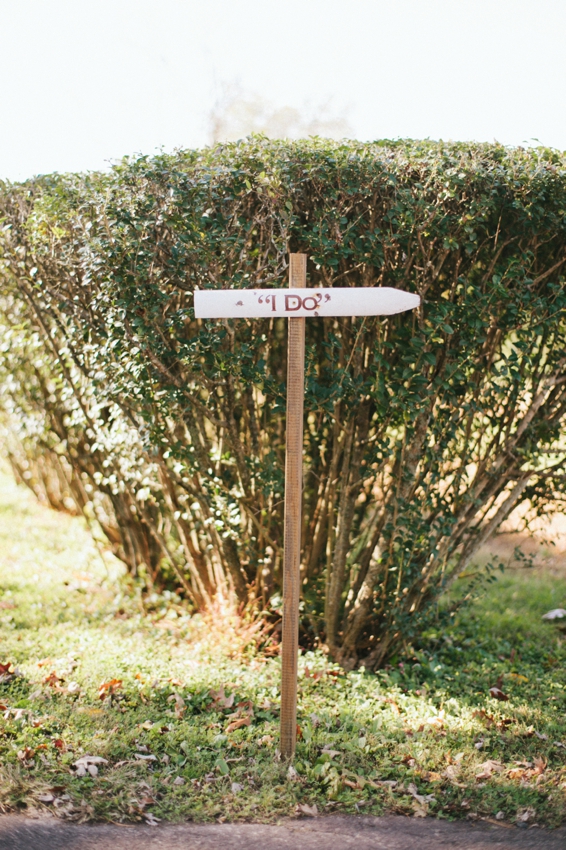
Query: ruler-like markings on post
x,y
296,304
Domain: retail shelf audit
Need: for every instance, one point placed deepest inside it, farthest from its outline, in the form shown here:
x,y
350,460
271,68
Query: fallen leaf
x,y
220,700
292,774
421,798
486,718
242,717
236,787
266,740
489,721
53,680
497,693
309,811
238,724
518,677
542,736
516,773
45,798
451,771
144,757
178,781
108,689
19,713
315,676
180,706
488,768
421,801
525,815
395,708
84,764
8,672
555,614
329,752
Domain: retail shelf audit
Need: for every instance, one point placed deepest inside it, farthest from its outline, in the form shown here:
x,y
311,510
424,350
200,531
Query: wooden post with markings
x,y
295,304
293,513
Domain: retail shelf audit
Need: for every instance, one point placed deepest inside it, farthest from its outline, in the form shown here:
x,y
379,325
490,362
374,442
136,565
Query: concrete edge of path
x,y
338,832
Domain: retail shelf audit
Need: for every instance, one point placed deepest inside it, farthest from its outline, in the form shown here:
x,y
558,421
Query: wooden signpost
x,y
296,303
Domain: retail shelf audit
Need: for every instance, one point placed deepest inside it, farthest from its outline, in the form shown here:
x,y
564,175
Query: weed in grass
x,y
121,713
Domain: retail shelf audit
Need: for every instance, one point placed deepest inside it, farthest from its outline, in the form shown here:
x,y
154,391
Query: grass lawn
x,y
179,715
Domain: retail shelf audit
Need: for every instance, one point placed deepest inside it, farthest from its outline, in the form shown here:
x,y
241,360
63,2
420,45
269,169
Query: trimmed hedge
x,y
422,432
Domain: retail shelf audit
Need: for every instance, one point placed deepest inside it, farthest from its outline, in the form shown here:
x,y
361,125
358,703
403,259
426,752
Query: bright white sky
x,y
87,81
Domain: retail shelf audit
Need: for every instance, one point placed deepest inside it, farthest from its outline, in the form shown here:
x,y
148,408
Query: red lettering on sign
x,y
313,302
289,298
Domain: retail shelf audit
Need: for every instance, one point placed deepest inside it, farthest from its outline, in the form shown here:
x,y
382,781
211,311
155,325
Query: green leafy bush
x,y
422,431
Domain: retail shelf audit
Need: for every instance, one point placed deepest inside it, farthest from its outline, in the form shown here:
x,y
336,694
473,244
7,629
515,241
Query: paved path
x,y
325,833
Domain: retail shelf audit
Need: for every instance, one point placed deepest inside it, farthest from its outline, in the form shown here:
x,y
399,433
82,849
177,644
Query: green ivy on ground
x,y
185,716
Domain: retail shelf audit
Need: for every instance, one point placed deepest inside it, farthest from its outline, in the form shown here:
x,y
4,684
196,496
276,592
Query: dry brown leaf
x,y
238,724
52,679
526,815
485,718
309,811
497,693
488,768
393,705
518,677
242,716
266,740
516,773
108,689
220,700
180,706
88,764
315,676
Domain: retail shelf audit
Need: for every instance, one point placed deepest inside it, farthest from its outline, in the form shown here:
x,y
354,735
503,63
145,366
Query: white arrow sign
x,y
300,303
